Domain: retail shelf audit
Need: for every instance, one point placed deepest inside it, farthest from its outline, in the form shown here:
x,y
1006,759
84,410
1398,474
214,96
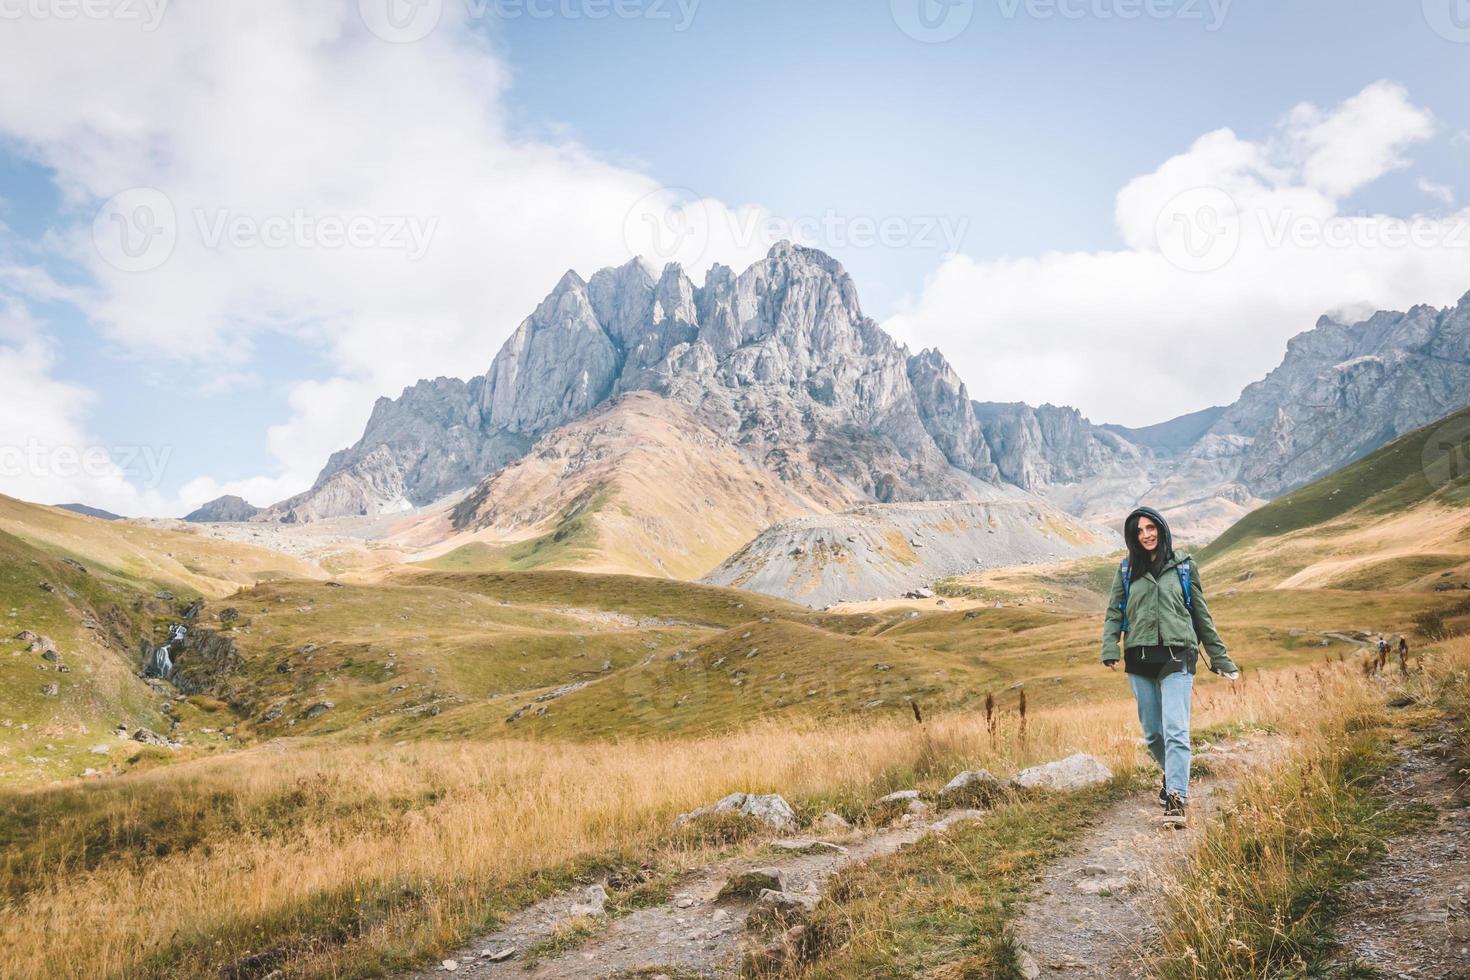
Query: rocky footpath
x,y
884,550
743,915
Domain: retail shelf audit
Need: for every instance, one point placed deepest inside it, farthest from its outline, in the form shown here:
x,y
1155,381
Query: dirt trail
x,y
1411,916
1096,914
691,935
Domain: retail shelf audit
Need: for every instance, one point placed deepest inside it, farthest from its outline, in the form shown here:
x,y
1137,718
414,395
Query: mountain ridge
x,y
781,361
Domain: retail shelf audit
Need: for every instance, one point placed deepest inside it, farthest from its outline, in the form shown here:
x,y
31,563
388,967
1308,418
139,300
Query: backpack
x,y
1185,569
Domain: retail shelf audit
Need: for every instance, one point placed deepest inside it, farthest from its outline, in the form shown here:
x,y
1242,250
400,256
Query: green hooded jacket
x,y
1157,616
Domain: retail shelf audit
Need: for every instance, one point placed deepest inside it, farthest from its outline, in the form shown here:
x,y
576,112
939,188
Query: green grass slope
x,y
1388,480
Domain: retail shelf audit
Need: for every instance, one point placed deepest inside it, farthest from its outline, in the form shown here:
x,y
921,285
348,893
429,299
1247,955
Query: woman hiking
x,y
1157,618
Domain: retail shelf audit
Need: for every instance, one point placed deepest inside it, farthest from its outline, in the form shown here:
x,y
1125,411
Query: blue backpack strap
x,y
1124,570
1186,570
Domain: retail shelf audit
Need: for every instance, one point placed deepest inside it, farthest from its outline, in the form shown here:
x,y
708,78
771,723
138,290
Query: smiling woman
x,y
1158,616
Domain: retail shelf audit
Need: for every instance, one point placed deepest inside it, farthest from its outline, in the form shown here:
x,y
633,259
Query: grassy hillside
x,y
1386,482
95,590
177,560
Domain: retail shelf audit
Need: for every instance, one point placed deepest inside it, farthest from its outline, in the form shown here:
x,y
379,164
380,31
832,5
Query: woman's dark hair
x,y
1140,562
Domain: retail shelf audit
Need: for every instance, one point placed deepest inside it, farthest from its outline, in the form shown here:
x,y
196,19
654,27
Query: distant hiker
x,y
1382,653
1157,612
1403,656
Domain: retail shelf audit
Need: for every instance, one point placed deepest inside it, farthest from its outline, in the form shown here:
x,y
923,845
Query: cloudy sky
x,y
227,226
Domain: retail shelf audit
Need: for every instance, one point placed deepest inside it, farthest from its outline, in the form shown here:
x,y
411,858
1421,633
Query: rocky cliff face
x,y
779,360
1346,389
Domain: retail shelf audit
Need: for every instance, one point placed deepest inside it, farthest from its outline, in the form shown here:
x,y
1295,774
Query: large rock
x,y
223,510
1072,773
971,788
771,810
752,883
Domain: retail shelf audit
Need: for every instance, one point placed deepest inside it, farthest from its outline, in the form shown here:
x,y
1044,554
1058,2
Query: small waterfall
x,y
160,662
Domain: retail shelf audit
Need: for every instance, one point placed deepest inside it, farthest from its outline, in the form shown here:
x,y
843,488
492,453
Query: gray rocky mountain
x,y
223,510
1343,390
780,361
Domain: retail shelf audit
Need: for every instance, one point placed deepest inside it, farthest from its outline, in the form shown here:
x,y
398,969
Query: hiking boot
x,y
1164,795
1174,810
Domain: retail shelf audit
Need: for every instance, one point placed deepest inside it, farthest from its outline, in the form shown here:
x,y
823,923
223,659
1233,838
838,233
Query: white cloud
x,y
1443,193
289,122
1229,250
46,453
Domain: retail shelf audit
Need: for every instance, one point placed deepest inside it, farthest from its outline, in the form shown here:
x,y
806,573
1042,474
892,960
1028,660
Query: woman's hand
x,y
1110,664
1232,677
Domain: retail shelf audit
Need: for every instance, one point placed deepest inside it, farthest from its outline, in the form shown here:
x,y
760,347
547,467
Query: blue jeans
x,y
1163,711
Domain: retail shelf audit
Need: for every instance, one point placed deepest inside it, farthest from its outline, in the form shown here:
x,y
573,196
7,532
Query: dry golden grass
x,y
335,859
1259,895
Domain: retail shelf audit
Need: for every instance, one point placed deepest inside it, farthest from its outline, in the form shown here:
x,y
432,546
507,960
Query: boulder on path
x,y
971,788
753,883
771,810
904,804
1065,775
150,737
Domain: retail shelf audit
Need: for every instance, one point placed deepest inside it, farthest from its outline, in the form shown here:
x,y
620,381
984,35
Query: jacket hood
x,y
1136,553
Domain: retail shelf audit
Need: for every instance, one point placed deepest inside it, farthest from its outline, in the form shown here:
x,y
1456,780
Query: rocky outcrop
x,y
877,551
1347,389
223,510
779,360
1035,447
